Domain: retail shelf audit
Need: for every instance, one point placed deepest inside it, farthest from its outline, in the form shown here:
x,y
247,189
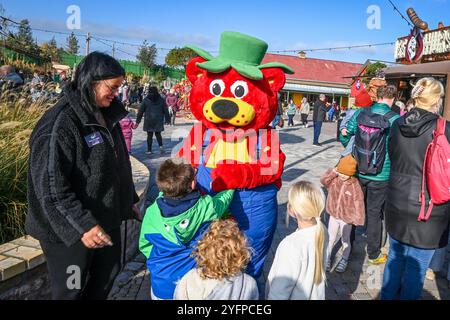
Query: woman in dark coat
x,y
412,243
80,185
155,112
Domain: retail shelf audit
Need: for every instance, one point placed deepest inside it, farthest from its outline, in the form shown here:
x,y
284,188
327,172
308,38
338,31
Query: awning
x,y
431,68
315,89
61,67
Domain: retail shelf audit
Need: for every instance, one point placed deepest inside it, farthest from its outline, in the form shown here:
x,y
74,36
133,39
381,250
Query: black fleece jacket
x,y
79,172
408,141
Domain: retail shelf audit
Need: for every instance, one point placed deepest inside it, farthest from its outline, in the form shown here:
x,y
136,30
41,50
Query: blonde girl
x,y
298,271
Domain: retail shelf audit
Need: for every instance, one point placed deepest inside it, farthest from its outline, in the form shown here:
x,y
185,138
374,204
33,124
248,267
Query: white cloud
x,y
133,34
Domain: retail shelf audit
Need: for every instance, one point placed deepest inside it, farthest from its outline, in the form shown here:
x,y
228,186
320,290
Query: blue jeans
x,y
291,119
275,121
317,129
404,273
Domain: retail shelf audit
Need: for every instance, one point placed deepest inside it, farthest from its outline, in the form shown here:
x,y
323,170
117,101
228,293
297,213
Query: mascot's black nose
x,y
225,109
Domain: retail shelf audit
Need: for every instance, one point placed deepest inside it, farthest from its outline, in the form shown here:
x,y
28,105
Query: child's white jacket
x,y
291,276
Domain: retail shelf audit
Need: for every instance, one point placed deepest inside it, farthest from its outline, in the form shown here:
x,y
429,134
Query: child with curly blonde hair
x,y
221,256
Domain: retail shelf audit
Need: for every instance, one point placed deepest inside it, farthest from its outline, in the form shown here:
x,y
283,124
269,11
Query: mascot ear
x,y
275,77
192,71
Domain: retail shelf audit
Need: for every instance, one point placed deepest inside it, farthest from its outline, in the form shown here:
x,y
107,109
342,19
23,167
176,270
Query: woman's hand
x,y
135,126
344,132
96,238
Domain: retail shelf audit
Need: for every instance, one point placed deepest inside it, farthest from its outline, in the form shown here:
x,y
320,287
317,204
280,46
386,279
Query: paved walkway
x,y
304,162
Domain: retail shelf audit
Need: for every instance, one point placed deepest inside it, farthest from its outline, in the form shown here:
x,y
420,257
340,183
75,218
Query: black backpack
x,y
369,149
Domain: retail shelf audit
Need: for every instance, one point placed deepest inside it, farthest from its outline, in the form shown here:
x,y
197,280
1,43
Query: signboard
x,y
431,43
356,88
414,46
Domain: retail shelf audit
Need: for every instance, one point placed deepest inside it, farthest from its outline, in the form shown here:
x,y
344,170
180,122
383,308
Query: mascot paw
x,y
227,176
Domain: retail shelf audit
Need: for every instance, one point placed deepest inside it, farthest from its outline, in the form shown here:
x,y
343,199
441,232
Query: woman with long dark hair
x,y
156,113
80,185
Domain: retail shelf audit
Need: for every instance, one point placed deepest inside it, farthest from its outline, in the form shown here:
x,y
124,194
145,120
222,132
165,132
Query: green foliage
x,y
72,44
159,76
373,69
179,57
147,54
50,49
24,34
18,116
23,39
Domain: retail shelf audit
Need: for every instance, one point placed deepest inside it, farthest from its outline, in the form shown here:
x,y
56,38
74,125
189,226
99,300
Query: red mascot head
x,y
234,90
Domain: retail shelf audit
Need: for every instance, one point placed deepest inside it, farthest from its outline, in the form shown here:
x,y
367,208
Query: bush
x,y
18,116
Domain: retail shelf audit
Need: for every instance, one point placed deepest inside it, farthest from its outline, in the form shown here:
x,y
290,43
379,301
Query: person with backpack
x,y
418,194
362,100
370,127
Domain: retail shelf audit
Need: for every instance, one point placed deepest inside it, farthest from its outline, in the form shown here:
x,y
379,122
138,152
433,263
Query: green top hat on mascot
x,y
240,52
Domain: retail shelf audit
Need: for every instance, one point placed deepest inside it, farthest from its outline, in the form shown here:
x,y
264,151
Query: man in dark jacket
x,y
374,186
319,112
80,186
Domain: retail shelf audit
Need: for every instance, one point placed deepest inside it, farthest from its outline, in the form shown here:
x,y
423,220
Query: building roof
x,y
430,68
312,69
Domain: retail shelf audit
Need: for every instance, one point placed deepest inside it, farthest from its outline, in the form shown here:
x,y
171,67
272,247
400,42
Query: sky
x,y
283,24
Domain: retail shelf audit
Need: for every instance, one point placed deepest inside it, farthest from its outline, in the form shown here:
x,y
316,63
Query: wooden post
x,y
88,40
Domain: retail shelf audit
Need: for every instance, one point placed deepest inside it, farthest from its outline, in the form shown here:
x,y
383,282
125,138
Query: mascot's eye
x,y
184,224
239,89
217,87
167,227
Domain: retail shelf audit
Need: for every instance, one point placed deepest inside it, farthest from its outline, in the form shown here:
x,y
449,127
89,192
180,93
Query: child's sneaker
x,y
430,275
149,152
379,260
342,266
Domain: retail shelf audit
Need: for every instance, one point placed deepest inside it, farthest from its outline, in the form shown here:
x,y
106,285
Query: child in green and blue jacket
x,y
174,223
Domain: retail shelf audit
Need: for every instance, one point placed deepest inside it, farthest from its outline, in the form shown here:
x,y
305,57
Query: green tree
x,y
373,69
179,57
24,35
3,22
50,49
72,44
147,54
159,76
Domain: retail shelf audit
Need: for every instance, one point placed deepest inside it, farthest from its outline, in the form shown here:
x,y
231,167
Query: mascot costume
x,y
235,98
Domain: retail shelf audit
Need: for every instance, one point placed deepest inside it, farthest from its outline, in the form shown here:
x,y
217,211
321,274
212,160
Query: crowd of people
x,y
194,248
365,190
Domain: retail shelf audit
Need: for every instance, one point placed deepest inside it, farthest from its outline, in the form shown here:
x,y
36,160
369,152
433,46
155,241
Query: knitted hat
x,y
363,99
347,165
